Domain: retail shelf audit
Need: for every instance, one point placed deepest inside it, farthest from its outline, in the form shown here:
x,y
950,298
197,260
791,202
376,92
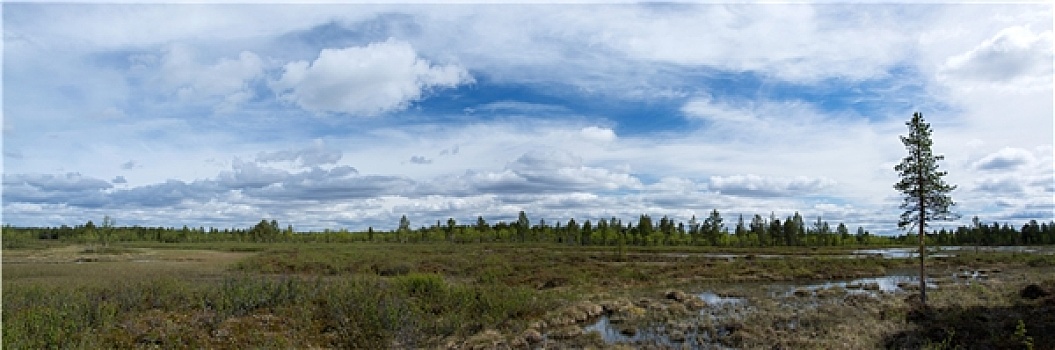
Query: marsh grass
x,y
355,312
252,295
559,267
281,298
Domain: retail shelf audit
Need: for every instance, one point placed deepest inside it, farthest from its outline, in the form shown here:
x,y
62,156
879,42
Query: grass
x,y
206,299
983,316
415,310
547,267
239,295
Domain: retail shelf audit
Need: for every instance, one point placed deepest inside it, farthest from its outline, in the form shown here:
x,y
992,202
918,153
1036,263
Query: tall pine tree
x,y
925,194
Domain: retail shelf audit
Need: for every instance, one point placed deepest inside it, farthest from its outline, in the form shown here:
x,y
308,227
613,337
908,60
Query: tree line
x,y
713,230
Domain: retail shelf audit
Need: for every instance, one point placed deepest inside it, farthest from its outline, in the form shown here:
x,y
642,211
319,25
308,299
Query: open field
x,y
364,295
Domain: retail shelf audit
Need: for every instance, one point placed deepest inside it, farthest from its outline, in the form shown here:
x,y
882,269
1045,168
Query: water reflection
x,y
948,251
871,285
708,326
714,299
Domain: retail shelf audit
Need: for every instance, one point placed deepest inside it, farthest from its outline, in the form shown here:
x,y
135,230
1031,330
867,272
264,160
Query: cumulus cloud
x,y
367,80
1006,159
339,183
307,157
1015,55
73,182
775,75
751,185
1000,186
244,183
1011,183
535,172
557,171
244,175
169,193
69,188
132,164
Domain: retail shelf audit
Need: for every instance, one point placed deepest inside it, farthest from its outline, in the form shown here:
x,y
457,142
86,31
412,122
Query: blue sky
x,y
352,115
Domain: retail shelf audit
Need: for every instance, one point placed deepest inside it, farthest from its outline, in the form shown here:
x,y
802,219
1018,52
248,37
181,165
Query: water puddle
x,y
714,299
947,251
724,312
1037,250
613,333
704,329
898,253
871,286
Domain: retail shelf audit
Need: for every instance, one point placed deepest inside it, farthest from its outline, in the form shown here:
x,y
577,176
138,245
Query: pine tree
x,y
925,193
694,229
712,227
404,228
644,229
758,228
522,226
844,233
449,231
741,231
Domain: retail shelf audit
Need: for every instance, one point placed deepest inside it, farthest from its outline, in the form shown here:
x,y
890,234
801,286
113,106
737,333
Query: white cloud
x,y
368,80
1015,55
598,134
227,79
70,188
518,107
677,185
111,60
1001,186
73,182
1006,159
535,172
314,156
794,42
1009,184
718,112
751,185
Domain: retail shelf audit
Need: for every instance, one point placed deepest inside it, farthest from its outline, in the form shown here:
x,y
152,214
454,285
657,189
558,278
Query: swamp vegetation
x,y
501,295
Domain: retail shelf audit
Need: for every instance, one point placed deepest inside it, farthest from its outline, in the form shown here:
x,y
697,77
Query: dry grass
x,y
79,264
438,295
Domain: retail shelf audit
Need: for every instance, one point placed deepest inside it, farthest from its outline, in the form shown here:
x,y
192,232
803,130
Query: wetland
x,y
485,296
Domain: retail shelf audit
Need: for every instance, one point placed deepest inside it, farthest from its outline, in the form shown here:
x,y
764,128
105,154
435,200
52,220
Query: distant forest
x,y
756,231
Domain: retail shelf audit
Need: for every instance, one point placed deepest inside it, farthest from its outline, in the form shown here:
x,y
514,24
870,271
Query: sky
x,y
331,116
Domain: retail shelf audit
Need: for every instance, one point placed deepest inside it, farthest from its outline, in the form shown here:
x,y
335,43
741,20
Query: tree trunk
x,y
922,250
